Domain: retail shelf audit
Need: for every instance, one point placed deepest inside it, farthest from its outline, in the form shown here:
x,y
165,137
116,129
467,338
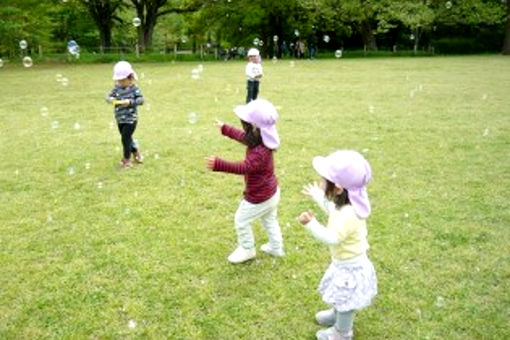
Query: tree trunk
x,y
368,36
506,42
105,36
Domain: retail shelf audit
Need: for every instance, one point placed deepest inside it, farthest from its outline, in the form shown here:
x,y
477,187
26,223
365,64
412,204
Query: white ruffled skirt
x,y
350,284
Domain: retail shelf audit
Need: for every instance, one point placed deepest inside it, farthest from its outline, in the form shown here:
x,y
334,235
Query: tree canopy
x,y
477,25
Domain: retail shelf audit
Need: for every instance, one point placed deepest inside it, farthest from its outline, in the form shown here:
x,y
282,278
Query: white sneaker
x,y
333,334
242,255
266,248
326,317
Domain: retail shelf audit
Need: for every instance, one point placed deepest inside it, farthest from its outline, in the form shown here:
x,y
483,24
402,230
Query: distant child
x,y
253,73
261,193
126,97
349,283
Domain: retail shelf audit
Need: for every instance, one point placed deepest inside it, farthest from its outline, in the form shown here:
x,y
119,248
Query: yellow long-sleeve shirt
x,y
345,234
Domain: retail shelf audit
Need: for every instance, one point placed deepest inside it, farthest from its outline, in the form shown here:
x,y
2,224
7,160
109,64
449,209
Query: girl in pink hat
x,y
261,193
126,96
349,283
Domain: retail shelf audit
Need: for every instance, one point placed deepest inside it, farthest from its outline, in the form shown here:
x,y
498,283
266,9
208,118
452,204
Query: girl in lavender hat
x,y
349,283
261,193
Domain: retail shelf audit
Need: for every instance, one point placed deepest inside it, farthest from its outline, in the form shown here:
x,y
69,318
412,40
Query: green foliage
x,y
97,252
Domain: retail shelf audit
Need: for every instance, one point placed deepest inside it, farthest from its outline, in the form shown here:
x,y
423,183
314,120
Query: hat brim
x,y
321,165
242,112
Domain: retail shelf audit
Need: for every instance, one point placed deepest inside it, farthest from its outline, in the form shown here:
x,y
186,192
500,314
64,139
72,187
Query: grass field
x,y
88,251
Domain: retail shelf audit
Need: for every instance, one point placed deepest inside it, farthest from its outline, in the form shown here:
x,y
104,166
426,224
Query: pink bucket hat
x,y
351,171
122,70
263,115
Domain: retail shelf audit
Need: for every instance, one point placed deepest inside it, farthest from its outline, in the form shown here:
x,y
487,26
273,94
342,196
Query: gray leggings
x,y
344,321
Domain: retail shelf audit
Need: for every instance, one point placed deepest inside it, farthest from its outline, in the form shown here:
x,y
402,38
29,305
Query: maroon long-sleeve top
x,y
258,168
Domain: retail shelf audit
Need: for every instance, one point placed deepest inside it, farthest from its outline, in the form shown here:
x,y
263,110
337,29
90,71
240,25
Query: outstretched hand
x,y
305,217
219,124
312,190
209,160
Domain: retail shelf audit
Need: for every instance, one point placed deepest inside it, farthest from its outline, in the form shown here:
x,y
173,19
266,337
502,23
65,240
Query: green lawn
x,y
88,251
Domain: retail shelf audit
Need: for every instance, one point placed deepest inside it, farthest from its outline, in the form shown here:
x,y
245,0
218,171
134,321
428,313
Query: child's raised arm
x,y
315,192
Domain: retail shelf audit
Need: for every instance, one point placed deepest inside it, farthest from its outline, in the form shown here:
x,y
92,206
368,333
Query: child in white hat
x,y
253,74
349,283
126,96
261,193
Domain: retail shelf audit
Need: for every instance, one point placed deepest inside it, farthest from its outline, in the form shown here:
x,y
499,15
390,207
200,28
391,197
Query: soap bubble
x,y
54,124
100,185
23,44
326,38
87,166
184,39
64,81
338,53
292,63
195,73
70,171
192,117
73,48
296,33
27,62
1,62
411,37
275,38
275,60
58,77
44,111
200,68
76,126
137,22
448,4
440,302
132,324
256,41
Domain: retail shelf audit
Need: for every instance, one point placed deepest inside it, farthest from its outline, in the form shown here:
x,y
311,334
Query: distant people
x,y
300,49
261,192
312,45
350,282
254,73
126,96
283,49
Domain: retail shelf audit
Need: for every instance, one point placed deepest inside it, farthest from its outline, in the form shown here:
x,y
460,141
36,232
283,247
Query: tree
x,y
148,11
103,13
506,41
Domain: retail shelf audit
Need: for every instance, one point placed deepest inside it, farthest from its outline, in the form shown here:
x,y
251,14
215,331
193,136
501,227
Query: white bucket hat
x,y
263,115
253,52
122,70
350,170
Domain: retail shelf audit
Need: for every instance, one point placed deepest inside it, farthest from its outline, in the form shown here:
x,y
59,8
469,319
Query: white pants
x,y
267,212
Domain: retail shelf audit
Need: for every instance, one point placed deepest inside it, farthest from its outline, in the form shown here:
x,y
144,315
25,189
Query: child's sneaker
x,y
326,317
266,248
138,157
333,334
125,163
242,255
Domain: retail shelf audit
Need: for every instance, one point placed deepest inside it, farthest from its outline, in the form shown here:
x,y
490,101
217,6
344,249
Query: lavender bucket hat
x,y
350,170
122,70
263,115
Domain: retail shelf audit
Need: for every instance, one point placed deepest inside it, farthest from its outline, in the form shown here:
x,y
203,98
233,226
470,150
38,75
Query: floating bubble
x,y
87,166
411,37
411,94
294,276
44,111
27,62
195,74
485,132
64,81
326,38
439,302
23,44
200,67
1,62
371,108
49,218
70,171
275,38
156,156
127,211
76,126
296,33
183,182
184,39
137,22
292,64
275,60
338,53
100,185
59,77
192,117
73,48
16,172
54,124
484,96
448,4
132,324
256,41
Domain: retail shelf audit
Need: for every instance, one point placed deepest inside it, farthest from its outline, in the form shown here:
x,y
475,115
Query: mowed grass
x,y
88,251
